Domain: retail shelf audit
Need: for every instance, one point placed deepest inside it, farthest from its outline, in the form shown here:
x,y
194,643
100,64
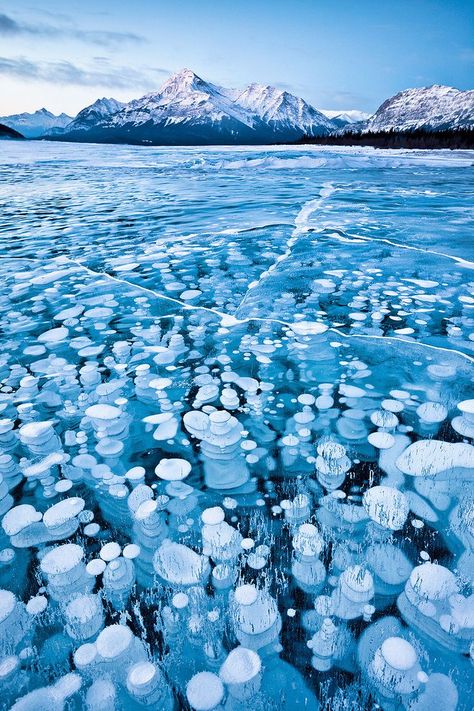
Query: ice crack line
x,y
301,227
463,262
228,320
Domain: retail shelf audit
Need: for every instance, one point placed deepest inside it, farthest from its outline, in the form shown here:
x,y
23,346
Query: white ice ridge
x,y
383,240
301,227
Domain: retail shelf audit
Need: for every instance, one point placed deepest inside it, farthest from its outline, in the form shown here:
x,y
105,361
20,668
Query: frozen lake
x,y
237,424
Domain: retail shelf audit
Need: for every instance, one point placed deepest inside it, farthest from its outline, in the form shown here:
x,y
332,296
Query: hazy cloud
x,y
102,74
10,28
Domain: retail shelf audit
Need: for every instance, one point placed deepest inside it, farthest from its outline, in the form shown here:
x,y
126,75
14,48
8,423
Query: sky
x,y
349,54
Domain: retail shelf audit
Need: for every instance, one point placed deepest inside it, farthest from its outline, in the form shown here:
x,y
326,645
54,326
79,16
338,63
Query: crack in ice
x,y
229,321
345,235
300,227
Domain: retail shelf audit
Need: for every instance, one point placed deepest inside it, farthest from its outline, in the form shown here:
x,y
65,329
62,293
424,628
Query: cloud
x,y
8,26
102,74
11,28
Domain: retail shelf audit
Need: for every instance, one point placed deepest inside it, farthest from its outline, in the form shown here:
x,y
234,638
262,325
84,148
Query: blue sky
x,y
337,54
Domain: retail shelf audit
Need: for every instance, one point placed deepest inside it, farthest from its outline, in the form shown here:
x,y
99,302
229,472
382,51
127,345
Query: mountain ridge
x,y
7,133
434,107
188,110
37,123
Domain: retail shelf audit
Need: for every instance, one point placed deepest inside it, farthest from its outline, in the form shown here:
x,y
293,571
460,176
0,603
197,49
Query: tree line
x,y
458,138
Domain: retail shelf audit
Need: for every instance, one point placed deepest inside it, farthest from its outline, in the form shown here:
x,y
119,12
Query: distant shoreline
x,y
462,139
452,139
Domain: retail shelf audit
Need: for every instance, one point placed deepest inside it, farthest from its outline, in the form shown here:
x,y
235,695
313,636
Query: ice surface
x,y
236,428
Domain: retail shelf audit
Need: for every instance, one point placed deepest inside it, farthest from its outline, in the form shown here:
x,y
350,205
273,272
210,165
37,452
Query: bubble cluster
x,y
237,477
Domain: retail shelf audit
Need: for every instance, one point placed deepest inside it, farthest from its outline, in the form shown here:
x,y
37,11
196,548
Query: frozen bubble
x,y
84,655
381,440
399,653
62,512
62,559
180,565
351,391
466,406
431,457
20,517
91,530
103,412
131,551
308,328
113,641
247,544
180,601
213,516
54,335
246,594
35,431
240,666
432,412
63,486
7,604
433,582
386,506
190,294
392,405
173,469
110,551
204,691
96,566
36,605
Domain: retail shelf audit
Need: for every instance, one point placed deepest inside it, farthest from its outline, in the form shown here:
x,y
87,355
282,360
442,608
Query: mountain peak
x,y
276,105
185,73
184,80
37,123
430,107
104,106
187,108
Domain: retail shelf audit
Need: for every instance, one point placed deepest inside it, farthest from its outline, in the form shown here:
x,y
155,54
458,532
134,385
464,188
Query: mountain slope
x,y
347,118
188,110
96,113
432,108
36,124
7,132
282,110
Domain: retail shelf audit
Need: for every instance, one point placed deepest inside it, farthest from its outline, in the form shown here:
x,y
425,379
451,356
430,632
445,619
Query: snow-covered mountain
x,y
94,114
183,98
346,118
37,123
281,109
188,110
431,108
